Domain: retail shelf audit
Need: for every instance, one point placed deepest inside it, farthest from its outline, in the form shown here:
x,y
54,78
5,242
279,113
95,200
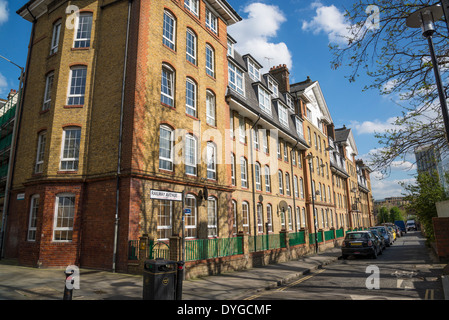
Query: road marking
x,y
430,294
286,286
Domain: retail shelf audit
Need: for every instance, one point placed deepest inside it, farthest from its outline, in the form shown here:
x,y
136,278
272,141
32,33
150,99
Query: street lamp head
x,y
309,156
425,19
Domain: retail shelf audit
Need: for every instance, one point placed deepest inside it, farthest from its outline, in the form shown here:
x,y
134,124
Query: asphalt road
x,y
405,271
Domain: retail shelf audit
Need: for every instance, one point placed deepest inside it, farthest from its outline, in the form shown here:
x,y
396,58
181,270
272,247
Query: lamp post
x,y
310,157
11,159
425,19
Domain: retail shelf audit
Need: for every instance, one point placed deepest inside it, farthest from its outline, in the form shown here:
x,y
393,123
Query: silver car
x,y
388,236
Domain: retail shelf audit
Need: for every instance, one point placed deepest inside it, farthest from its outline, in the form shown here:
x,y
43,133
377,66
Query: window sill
x,y
80,49
74,106
67,172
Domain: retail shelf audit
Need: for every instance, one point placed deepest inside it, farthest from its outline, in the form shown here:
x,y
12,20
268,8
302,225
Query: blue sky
x,y
292,32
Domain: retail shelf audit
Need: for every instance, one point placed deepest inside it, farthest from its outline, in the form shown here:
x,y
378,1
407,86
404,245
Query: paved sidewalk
x,y
23,283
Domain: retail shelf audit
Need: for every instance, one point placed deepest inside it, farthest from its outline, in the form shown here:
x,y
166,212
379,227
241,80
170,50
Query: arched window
x,y
191,44
210,61
168,86
210,108
166,138
212,218
191,98
169,30
191,219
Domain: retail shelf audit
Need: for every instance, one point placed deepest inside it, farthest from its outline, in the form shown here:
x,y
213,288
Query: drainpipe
x,y
252,178
16,130
119,160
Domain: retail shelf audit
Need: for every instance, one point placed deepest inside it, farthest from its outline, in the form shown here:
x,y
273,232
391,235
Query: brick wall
x,y
441,229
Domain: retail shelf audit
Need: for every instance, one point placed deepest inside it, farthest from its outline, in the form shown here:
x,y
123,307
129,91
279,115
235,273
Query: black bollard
x,y
179,280
68,293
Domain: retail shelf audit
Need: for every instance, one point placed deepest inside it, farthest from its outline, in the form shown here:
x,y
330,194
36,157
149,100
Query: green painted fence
x,y
202,249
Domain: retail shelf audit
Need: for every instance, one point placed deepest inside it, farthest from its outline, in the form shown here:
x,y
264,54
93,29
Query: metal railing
x,y
296,238
201,249
266,242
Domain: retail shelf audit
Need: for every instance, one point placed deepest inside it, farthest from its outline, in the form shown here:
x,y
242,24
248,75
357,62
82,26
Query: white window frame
x,y
264,100
244,172
211,21
191,164
212,217
70,218
236,79
77,97
191,219
269,218
267,179
281,182
210,61
253,71
273,86
74,161
283,115
191,45
164,228
169,36
168,85
299,128
49,80
211,161
171,149
192,6
234,211
191,98
242,130
41,142
258,174
32,220
245,218
287,184
210,108
79,41
259,211
295,186
55,37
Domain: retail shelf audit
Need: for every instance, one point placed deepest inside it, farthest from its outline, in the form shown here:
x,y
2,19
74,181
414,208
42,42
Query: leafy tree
x,y
397,58
383,215
423,196
395,214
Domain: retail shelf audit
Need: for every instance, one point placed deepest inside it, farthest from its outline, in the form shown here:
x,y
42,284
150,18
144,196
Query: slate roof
x,y
251,101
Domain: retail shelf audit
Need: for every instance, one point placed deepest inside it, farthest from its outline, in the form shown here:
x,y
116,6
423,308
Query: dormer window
x,y
264,100
272,85
289,100
236,78
211,21
230,48
192,5
283,115
253,71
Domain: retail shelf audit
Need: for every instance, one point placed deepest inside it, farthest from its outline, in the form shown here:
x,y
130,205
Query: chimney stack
x,y
282,75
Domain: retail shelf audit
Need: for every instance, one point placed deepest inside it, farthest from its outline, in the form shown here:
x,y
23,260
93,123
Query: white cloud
x,y
330,20
254,33
384,188
3,86
375,126
4,12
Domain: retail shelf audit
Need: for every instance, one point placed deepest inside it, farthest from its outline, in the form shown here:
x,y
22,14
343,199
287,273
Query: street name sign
x,y
166,195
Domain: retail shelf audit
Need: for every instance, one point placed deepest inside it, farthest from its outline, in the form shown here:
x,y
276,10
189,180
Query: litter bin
x,y
159,280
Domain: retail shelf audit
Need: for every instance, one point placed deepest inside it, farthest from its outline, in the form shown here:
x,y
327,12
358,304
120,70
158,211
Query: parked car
x,y
382,241
363,243
392,231
411,225
388,237
401,225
